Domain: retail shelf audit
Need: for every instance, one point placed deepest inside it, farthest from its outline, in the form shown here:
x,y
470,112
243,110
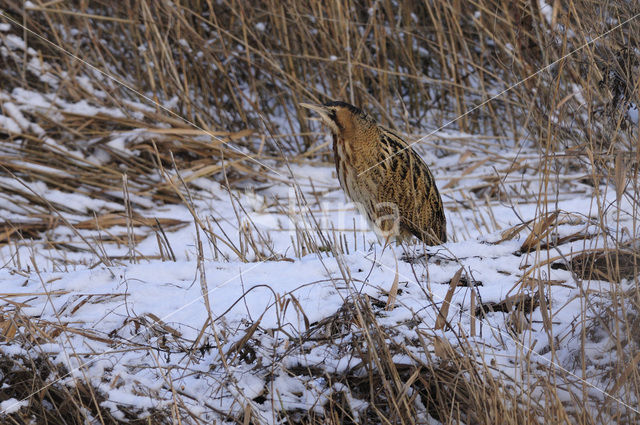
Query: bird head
x,y
340,117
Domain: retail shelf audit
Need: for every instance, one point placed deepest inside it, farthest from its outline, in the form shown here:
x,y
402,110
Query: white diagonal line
x,y
503,92
127,86
253,159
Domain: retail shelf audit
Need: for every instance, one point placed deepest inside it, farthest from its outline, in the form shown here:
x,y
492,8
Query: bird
x,y
384,176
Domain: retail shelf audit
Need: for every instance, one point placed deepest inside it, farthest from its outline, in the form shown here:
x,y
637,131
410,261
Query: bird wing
x,y
410,184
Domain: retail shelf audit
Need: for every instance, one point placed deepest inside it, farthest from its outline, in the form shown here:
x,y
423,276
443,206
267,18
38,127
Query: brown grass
x,y
227,78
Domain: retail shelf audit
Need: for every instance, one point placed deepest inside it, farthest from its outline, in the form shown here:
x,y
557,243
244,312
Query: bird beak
x,y
323,111
317,108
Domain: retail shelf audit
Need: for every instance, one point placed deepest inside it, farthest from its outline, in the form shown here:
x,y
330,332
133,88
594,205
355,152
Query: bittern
x,y
384,176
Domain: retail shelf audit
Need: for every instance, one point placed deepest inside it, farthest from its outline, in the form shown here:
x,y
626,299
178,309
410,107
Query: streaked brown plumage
x,y
384,176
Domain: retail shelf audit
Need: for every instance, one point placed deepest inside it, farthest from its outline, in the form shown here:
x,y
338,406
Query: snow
x,y
632,112
169,295
7,124
17,116
14,42
12,405
30,99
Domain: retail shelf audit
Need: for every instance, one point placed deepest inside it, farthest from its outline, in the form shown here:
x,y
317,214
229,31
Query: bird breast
x,y
357,178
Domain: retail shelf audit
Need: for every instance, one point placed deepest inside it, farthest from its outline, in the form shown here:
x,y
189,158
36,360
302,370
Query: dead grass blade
x,y
542,228
446,302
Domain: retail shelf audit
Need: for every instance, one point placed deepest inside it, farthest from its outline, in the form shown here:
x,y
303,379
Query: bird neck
x,y
361,140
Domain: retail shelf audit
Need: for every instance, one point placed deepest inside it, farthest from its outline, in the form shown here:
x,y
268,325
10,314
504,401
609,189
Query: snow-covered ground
x,y
139,329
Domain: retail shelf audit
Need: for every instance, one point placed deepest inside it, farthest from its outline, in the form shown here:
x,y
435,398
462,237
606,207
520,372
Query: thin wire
x,y
122,83
147,98
253,159
501,93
